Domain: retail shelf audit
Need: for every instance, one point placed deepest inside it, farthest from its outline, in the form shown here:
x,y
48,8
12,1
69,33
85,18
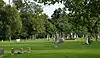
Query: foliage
x,y
10,20
25,19
83,13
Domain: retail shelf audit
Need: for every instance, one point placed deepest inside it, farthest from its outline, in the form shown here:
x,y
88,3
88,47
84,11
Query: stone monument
x,y
1,51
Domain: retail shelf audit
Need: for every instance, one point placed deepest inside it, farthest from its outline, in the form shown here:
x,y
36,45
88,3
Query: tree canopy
x,y
27,20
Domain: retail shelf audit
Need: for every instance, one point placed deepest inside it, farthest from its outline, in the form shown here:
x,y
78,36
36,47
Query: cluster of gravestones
x,y
13,52
58,41
21,51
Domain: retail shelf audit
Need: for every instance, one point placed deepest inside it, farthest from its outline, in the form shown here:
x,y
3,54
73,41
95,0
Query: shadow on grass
x,y
53,55
66,55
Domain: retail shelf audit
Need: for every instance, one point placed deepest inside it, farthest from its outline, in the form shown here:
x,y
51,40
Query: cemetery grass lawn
x,y
46,49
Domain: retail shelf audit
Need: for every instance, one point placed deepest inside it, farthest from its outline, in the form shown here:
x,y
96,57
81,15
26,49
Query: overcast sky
x,y
47,9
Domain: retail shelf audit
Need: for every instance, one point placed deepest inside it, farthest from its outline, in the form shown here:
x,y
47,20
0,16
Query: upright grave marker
x,y
1,51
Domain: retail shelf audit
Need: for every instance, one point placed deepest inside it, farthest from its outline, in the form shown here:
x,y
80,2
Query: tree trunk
x,y
47,37
68,36
75,36
9,2
71,35
33,37
10,38
63,35
83,36
87,40
30,37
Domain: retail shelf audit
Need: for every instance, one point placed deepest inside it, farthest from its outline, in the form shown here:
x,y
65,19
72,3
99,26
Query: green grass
x,y
46,49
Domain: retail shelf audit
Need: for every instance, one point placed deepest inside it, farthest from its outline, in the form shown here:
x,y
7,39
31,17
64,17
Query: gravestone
x,y
58,41
98,36
2,40
61,41
1,51
18,40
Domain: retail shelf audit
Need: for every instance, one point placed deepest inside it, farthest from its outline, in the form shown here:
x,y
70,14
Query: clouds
x,y
48,9
7,1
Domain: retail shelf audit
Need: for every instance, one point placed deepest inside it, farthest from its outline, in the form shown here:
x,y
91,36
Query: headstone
x,y
61,40
1,51
83,36
75,36
98,36
58,41
87,42
18,40
47,37
2,40
68,37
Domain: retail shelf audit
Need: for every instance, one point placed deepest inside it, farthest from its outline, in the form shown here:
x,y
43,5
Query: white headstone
x,y
2,40
98,36
75,36
17,40
63,39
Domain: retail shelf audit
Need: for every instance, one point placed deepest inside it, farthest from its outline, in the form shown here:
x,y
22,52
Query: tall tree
x,y
86,13
62,22
11,22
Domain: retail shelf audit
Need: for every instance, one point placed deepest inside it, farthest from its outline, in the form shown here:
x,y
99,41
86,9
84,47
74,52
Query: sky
x,y
47,9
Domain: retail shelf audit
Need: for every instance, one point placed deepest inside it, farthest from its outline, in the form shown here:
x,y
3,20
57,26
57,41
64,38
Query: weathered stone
x,y
18,40
1,51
